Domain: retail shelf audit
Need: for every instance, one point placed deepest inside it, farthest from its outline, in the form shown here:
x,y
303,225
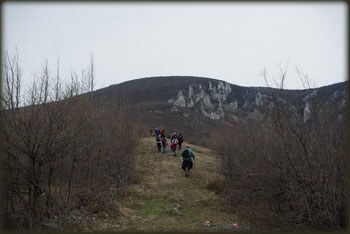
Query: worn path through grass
x,y
165,200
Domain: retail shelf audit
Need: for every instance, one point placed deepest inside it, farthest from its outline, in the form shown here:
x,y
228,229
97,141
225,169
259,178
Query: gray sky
x,y
227,41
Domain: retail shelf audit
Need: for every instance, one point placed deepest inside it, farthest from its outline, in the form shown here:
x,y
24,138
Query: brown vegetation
x,y
62,153
292,168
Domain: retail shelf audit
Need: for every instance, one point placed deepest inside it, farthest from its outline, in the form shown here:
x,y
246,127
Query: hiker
x,y
171,147
169,136
174,135
164,143
181,140
162,132
187,163
159,142
151,132
174,142
156,132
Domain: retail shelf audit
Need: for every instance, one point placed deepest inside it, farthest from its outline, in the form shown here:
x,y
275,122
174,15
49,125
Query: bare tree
x,y
12,82
60,145
91,75
295,168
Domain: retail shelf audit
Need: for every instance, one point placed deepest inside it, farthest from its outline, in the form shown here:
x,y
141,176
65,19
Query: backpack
x,y
185,154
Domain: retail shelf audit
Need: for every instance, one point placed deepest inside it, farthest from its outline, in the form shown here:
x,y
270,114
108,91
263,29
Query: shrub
x,y
62,151
295,168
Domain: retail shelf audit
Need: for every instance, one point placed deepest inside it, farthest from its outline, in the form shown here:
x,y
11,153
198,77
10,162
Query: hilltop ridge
x,y
201,106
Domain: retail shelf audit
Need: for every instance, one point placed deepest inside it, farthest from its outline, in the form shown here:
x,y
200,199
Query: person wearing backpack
x,y
164,143
173,136
159,142
175,142
156,132
181,140
162,132
187,163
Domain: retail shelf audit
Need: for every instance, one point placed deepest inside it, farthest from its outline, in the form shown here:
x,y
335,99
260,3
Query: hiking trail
x,y
165,200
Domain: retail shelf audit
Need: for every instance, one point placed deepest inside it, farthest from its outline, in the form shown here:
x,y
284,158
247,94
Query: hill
x,y
68,162
200,107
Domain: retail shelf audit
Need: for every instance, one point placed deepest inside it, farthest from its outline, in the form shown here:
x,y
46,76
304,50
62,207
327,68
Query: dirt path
x,y
166,200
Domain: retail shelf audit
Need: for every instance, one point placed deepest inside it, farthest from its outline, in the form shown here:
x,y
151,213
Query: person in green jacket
x,y
187,163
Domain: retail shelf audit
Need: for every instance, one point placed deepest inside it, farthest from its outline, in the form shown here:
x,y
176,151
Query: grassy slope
x,y
163,185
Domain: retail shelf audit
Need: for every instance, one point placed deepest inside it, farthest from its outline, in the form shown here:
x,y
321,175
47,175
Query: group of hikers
x,y
175,146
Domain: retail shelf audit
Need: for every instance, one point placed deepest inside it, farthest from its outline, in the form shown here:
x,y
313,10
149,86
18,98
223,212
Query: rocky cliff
x,y
182,103
214,100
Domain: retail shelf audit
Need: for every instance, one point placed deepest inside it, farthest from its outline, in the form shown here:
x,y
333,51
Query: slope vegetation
x,y
165,200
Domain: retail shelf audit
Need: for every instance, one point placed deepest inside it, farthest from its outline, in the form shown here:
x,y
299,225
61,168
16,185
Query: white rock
x,y
307,112
174,109
258,99
256,115
180,100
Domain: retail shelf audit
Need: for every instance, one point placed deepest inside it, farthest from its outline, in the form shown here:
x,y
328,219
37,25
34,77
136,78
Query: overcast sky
x,y
227,41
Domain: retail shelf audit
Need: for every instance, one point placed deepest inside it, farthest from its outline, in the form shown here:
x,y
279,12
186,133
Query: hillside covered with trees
x,y
76,158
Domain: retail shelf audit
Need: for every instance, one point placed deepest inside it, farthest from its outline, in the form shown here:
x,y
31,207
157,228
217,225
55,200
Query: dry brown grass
x,y
164,185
